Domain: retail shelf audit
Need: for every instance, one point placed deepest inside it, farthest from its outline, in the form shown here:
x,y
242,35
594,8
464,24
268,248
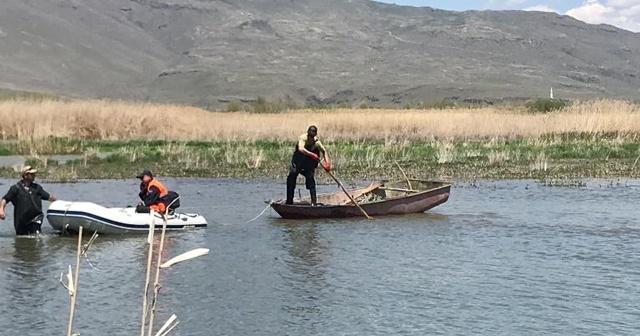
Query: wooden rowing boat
x,y
378,199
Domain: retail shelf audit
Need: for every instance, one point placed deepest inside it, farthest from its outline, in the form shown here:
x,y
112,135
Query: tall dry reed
x,y
115,120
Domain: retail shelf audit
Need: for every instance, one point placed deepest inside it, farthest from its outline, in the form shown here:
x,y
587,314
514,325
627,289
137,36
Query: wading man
x,y
26,197
305,161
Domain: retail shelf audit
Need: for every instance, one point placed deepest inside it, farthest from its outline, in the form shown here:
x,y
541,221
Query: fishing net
x,y
369,197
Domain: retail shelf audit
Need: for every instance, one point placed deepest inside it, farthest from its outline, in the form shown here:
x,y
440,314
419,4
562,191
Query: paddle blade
x,y
70,284
167,326
185,256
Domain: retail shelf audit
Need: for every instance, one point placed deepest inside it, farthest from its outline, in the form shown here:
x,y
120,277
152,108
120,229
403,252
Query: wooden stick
x,y
399,189
349,195
145,305
156,284
405,175
74,295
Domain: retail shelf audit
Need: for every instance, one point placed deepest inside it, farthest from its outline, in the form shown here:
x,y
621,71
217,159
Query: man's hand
x,y
2,215
327,166
314,156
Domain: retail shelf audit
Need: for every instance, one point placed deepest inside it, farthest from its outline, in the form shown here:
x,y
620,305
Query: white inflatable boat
x,y
69,216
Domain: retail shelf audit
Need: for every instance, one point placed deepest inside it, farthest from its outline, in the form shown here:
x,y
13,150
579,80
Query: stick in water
x,y
74,291
156,284
145,305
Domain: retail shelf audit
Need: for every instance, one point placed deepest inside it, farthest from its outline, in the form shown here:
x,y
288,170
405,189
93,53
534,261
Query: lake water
x,y
499,258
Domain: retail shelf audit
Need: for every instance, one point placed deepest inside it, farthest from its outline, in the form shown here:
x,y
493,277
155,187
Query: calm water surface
x,y
499,258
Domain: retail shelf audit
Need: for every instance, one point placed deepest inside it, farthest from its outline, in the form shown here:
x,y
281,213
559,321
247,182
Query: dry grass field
x,y
122,121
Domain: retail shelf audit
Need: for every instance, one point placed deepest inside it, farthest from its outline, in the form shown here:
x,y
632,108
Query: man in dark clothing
x,y
305,161
26,197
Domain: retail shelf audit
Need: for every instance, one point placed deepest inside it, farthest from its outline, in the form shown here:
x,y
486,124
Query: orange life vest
x,y
160,206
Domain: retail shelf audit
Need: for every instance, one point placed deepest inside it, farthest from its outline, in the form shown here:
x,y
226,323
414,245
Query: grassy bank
x,y
589,139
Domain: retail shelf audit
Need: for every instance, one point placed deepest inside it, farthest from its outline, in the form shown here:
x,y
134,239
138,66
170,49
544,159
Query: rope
x,y
256,217
64,217
65,211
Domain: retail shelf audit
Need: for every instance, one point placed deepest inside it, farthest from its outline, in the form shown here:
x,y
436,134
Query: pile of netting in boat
x,y
369,197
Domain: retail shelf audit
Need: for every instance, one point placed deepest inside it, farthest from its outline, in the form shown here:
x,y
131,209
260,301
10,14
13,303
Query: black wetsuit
x,y
305,165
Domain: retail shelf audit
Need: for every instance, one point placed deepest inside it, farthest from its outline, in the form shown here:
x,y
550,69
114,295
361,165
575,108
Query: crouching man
x,y
154,195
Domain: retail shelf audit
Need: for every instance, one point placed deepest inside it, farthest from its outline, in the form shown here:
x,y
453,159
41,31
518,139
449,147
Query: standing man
x,y
305,161
26,197
152,193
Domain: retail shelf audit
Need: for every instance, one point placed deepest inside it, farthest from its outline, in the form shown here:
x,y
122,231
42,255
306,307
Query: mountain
x,y
209,52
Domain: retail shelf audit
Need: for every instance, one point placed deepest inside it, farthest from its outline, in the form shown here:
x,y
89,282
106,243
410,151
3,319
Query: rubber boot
x,y
291,188
314,198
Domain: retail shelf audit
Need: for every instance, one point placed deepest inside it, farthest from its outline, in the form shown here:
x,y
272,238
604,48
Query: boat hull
x,y
69,216
415,203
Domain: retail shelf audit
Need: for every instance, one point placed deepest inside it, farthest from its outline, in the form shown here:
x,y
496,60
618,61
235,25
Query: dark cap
x,y
145,172
312,130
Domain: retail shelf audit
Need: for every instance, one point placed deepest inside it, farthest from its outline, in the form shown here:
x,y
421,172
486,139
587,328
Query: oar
x,y
348,195
185,256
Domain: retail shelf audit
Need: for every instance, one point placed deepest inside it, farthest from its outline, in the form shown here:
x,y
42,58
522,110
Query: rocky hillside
x,y
209,52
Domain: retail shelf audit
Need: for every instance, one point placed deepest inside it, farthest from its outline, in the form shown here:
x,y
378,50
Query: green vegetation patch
x,y
574,156
545,105
6,94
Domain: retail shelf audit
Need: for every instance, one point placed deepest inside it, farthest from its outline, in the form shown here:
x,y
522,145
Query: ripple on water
x,y
501,258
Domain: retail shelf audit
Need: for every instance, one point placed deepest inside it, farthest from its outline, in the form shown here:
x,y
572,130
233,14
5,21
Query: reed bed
x,y
598,138
123,121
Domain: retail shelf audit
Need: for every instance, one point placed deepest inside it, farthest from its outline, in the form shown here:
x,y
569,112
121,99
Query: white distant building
x,y
551,93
